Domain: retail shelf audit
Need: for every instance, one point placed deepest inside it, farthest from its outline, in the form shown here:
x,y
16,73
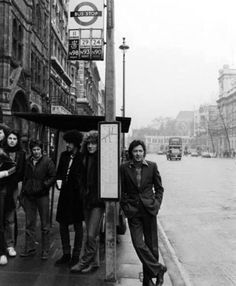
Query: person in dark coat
x,y
141,197
39,177
13,148
7,169
93,207
4,130
70,208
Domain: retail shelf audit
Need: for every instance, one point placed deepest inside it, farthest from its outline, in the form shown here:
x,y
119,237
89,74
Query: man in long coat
x,y
141,197
70,209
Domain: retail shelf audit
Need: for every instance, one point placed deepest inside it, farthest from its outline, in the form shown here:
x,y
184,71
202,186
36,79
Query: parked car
x,y
194,154
161,152
206,155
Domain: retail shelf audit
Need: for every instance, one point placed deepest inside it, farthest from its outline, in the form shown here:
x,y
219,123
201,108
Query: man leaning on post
x,y
141,197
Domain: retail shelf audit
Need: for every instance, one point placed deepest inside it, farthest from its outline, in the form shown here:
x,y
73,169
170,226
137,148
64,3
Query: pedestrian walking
x,y
141,197
39,176
17,154
7,168
70,208
93,207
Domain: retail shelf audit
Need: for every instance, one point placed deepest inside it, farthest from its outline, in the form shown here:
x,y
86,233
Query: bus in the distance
x,y
174,148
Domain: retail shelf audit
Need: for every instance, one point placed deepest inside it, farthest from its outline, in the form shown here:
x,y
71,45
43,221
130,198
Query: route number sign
x,y
89,48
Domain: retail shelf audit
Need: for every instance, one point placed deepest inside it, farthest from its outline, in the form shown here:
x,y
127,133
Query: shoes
x,y
74,260
3,260
11,251
89,268
77,268
44,255
160,275
65,259
27,253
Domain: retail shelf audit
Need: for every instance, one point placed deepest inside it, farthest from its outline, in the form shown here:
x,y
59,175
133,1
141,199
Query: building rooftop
x,y
185,116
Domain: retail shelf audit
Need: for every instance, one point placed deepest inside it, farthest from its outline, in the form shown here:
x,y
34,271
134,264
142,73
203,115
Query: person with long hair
x,y
70,208
93,207
4,130
7,168
17,154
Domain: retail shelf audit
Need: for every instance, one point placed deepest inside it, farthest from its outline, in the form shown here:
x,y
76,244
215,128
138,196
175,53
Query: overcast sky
x,y
176,50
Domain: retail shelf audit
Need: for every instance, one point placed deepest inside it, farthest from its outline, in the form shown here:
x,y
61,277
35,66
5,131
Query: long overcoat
x,y
70,207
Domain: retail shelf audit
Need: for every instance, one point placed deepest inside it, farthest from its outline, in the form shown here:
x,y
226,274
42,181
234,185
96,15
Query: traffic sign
x,y
86,14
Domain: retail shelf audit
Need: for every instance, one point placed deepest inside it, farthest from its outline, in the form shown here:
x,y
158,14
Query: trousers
x,y
10,222
93,217
143,230
3,193
31,207
65,238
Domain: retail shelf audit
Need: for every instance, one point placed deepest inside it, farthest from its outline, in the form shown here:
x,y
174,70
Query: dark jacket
x,y
20,166
38,178
150,192
6,165
4,185
90,182
69,208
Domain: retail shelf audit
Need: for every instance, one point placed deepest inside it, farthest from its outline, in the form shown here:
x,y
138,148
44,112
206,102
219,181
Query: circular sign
x,y
94,18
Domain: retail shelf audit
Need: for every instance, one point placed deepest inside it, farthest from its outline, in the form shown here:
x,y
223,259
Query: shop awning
x,y
64,122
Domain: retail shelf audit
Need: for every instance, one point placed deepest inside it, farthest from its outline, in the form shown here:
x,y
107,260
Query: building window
x,y
45,32
45,75
17,40
39,73
32,69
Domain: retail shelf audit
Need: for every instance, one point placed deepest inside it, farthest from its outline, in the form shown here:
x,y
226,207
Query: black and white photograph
x,y
117,143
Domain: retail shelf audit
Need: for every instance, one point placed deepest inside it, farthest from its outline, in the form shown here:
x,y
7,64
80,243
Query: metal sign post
x,y
110,116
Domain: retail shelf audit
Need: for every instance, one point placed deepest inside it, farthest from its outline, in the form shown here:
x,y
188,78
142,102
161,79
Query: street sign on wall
x,y
86,30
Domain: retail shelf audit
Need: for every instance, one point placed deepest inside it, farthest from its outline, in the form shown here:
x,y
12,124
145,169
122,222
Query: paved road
x,y
199,216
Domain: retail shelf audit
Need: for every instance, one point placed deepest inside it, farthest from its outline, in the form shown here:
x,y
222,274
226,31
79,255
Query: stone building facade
x,y
226,131
35,75
24,49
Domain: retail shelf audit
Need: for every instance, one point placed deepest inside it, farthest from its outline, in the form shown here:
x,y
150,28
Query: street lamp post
x,y
124,48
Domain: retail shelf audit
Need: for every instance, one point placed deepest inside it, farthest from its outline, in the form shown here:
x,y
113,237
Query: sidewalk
x,y
129,268
32,271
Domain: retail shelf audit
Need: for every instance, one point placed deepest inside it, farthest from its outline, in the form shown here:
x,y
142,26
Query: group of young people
x,y
29,179
76,177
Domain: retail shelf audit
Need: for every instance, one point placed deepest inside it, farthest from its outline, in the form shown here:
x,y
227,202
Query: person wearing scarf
x,y
93,207
7,169
14,150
